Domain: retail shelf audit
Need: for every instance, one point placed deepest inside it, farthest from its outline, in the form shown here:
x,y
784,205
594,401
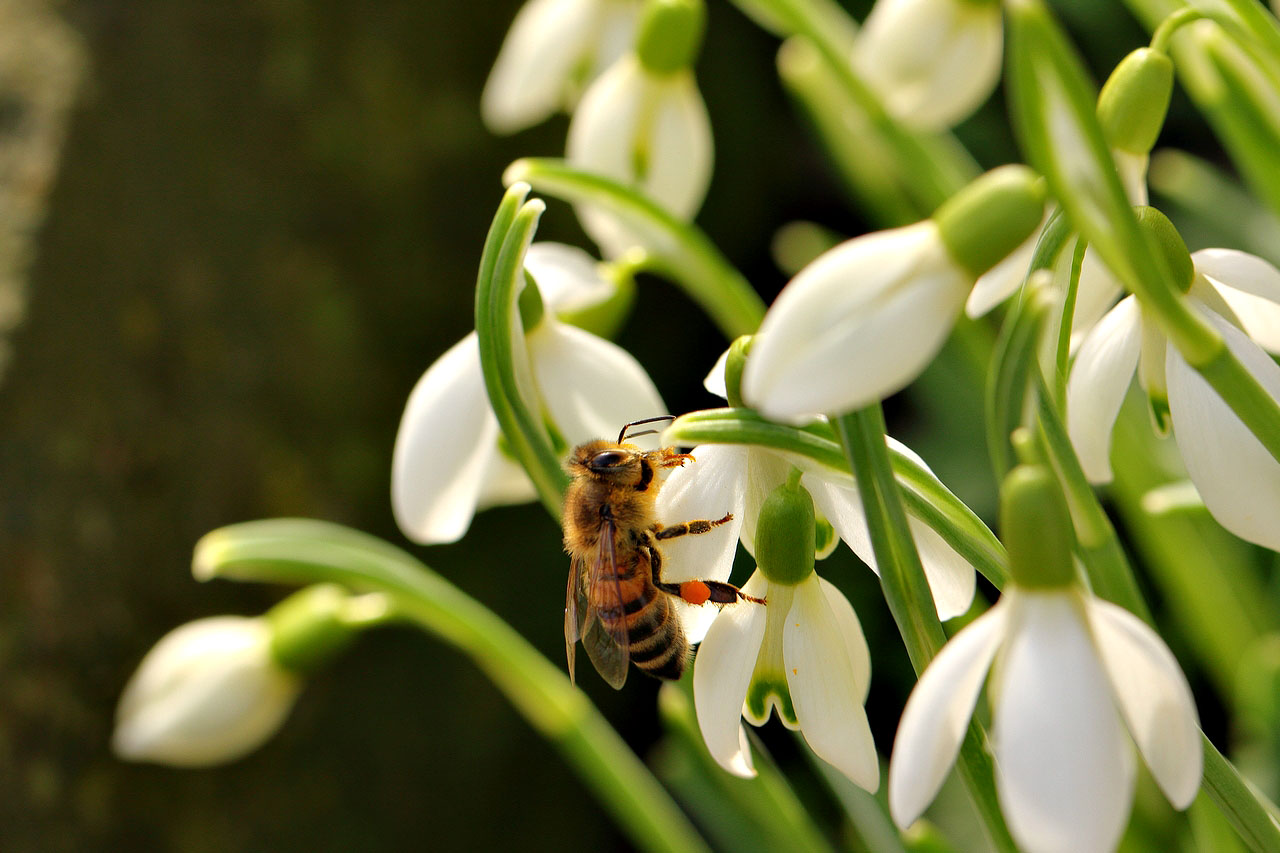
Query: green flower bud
x,y
530,303
1167,242
1036,529
825,539
670,34
733,367
785,533
309,627
985,221
1135,100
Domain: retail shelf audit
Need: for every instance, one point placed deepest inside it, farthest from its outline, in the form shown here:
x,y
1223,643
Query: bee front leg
x,y
686,528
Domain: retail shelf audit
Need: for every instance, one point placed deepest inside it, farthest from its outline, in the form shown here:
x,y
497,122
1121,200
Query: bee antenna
x,y
623,435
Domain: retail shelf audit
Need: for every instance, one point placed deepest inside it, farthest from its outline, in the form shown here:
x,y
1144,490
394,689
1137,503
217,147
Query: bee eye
x,y
608,459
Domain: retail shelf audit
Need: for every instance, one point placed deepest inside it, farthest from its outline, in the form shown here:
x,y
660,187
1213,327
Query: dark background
x,y
266,225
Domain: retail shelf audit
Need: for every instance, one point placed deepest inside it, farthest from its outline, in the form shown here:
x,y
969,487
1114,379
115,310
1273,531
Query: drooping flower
x,y
865,318
1235,475
803,654
1069,674
553,50
932,62
447,461
644,124
207,693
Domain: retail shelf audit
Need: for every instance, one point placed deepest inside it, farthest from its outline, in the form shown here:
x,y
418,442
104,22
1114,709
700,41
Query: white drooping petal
x,y
826,686
1250,286
714,381
649,132
722,674
1099,378
568,278
856,325
532,73
1235,475
1154,698
1064,767
933,62
206,694
445,447
591,387
951,578
937,715
1002,281
706,488
1096,293
504,483
850,628
766,471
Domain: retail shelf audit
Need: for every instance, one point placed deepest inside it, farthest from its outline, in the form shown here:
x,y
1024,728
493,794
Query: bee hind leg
x,y
697,592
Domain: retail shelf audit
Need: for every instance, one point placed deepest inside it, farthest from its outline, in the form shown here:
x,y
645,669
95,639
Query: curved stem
x,y
301,551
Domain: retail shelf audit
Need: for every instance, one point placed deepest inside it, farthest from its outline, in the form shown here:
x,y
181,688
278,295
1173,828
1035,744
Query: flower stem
x,y
675,249
303,551
907,591
502,347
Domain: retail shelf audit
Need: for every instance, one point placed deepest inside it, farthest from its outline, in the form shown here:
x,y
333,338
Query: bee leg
x,y
668,458
700,525
697,592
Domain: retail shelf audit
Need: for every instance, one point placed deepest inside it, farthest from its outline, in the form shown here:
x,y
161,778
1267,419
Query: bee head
x,y
608,461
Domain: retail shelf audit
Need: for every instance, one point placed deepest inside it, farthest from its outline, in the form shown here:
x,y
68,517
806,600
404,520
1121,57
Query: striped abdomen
x,y
657,643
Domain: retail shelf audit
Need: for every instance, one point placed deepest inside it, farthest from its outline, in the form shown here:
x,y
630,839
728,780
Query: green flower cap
x,y
1135,100
1167,242
310,627
992,216
734,364
670,34
1036,529
785,533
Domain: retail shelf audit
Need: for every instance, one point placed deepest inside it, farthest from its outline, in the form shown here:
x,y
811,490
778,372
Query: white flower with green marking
x,y
207,693
553,50
447,461
932,62
1074,680
1236,476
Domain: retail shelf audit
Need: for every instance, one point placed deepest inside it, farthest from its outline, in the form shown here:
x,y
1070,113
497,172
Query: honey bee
x,y
616,601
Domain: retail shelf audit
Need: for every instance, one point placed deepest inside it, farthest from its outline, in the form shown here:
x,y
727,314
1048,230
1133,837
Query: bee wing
x,y
574,614
607,646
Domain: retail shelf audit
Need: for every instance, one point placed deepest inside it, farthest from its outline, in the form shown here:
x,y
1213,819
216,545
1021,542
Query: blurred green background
x,y
266,225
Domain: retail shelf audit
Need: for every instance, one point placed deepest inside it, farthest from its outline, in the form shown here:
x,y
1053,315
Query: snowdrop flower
x,y
1069,675
866,317
1235,475
803,654
553,50
447,462
644,124
215,689
932,62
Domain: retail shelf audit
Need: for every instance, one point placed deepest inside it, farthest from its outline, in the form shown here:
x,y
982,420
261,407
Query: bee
x,y
616,601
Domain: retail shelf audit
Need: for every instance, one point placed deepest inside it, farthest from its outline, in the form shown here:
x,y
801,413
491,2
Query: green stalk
x,y
674,248
502,346
907,591
303,551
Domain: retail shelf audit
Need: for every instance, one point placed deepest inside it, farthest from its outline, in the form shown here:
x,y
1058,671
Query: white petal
x,y
568,278
1096,294
1238,479
446,443
529,78
932,61
707,488
504,483
1002,281
884,302
937,715
591,387
854,640
766,471
826,686
714,381
1251,286
951,579
206,693
1064,768
1099,378
721,675
628,109
1154,698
